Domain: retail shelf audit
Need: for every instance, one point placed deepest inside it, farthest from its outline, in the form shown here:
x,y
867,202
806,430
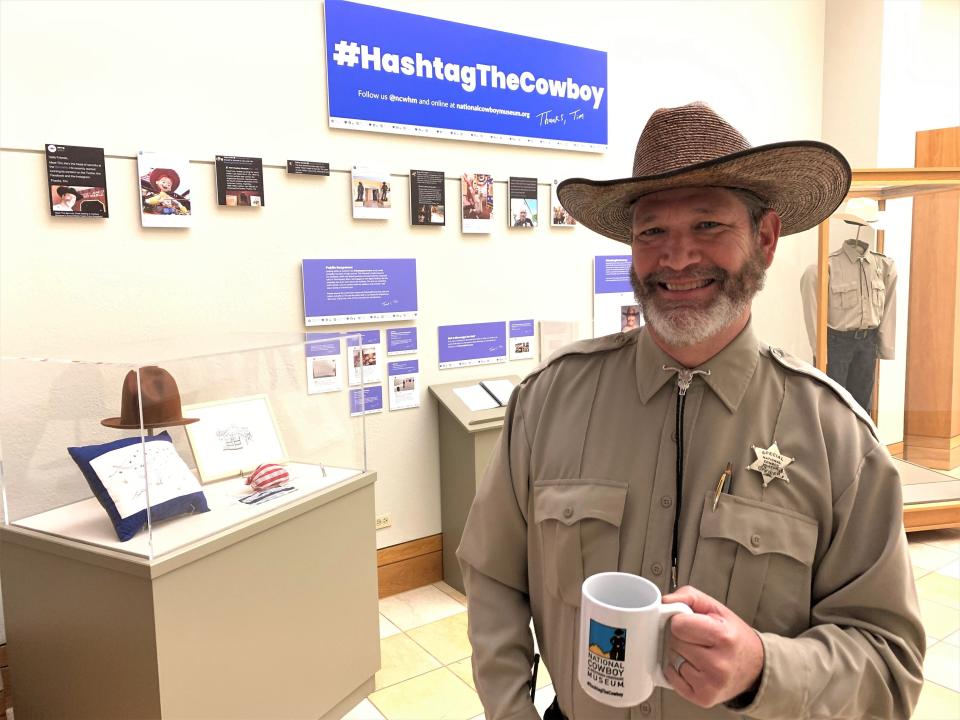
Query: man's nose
x,y
679,252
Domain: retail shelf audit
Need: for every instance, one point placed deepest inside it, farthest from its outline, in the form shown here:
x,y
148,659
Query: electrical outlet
x,y
384,521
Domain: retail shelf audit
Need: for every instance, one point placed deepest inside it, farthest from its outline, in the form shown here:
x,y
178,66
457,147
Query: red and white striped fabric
x,y
267,476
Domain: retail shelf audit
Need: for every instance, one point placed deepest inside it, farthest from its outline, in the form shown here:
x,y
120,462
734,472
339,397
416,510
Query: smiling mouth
x,y
685,286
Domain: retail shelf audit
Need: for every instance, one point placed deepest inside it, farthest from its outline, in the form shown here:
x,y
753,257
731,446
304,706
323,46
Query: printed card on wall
x,y
164,190
476,198
615,308
364,357
76,181
427,197
340,291
307,167
559,217
372,193
555,334
404,384
366,400
521,339
401,341
523,202
324,363
240,181
472,344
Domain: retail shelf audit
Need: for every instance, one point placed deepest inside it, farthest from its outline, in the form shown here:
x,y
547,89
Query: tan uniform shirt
x,y
583,481
862,296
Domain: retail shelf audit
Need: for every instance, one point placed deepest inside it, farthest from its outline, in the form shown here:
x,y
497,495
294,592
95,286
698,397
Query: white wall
x,y
250,81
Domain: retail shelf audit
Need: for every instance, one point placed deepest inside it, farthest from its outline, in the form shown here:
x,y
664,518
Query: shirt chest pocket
x,y
757,559
844,294
879,294
579,527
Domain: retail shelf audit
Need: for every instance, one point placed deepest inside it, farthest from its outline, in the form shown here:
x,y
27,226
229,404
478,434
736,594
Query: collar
x,y
731,369
853,255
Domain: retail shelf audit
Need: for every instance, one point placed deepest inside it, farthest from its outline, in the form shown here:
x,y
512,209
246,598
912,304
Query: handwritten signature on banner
x,y
546,118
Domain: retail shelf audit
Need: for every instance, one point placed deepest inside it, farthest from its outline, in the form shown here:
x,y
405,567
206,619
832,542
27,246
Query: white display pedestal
x,y
274,617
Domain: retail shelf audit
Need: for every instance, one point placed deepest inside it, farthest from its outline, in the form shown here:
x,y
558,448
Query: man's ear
x,y
769,232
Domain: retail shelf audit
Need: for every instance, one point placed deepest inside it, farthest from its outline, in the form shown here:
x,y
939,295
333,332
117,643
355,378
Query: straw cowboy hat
x,y
692,146
161,401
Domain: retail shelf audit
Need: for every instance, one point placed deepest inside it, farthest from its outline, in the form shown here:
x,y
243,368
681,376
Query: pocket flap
x,y
571,503
878,284
760,528
839,287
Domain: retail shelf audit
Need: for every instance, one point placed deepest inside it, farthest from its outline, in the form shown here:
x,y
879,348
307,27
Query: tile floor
x,y
425,656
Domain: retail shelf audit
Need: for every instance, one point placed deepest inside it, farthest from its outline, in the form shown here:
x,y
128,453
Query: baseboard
x,y
410,565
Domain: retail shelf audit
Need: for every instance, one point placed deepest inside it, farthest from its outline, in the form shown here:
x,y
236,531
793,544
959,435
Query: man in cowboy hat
x,y
795,564
68,198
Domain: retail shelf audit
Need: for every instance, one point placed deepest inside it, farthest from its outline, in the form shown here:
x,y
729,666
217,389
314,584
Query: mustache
x,y
651,280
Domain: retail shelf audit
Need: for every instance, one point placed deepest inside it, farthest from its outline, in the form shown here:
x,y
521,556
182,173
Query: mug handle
x,y
667,610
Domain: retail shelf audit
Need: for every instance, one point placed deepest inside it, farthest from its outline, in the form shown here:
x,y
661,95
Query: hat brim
x,y
805,182
118,424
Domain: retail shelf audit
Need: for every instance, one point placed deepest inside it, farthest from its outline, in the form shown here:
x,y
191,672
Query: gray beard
x,y
682,325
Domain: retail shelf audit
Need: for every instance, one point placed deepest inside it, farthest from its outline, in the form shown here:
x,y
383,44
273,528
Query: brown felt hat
x,y
692,146
161,401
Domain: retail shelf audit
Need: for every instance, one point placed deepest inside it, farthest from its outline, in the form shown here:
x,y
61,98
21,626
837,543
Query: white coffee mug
x,y
622,620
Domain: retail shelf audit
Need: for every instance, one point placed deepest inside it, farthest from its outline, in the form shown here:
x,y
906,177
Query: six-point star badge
x,y
771,464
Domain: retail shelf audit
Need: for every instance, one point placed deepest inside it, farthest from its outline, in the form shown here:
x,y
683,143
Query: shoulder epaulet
x,y
796,365
874,252
591,346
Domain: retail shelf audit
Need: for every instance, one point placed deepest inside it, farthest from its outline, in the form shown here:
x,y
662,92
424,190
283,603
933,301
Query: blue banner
x,y
396,72
611,274
359,290
473,344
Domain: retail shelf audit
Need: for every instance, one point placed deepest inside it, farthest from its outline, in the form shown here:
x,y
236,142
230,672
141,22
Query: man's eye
x,y
649,232
708,225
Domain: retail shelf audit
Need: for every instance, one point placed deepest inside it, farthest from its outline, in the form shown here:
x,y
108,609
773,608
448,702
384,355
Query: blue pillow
x,y
115,474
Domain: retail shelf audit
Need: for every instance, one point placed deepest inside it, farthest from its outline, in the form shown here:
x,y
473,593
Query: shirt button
x,y
673,436
666,501
645,708
568,512
656,569
755,540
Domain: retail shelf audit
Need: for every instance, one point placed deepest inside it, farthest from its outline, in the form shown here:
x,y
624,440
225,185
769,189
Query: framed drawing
x,y
234,436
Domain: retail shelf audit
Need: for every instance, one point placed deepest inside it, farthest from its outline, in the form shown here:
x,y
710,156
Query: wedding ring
x,y
678,663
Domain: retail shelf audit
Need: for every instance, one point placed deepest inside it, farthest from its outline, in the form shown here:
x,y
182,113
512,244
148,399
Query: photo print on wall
x,y
372,193
476,197
559,217
427,198
239,181
76,181
164,190
522,192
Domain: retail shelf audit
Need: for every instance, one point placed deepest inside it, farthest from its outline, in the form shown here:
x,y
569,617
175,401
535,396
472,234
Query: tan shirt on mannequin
x,y
863,295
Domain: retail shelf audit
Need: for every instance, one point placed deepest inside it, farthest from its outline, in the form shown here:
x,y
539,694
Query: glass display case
x,y
150,448
897,309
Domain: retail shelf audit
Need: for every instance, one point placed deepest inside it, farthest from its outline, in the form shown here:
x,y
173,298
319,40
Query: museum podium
x,y
272,617
467,438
